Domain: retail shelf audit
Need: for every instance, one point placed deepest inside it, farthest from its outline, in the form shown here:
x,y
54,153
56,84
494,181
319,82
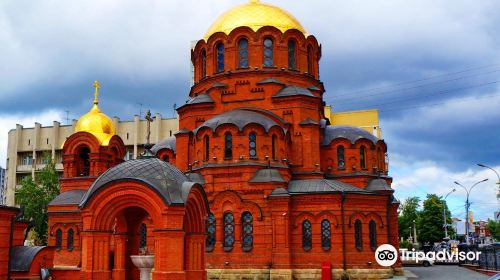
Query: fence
x,y
489,259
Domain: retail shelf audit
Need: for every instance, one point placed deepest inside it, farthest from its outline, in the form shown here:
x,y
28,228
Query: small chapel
x,y
256,184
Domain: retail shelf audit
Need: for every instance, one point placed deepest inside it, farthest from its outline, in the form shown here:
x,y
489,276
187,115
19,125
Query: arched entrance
x,y
114,217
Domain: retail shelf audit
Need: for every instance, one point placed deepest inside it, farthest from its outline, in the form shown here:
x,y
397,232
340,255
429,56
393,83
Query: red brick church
x,y
256,184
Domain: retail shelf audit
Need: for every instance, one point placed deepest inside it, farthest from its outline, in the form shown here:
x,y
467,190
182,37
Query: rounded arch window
x,y
228,231
372,226
143,234
220,57
358,235
84,158
203,64
274,146
243,53
70,241
309,59
326,235
206,142
247,231
252,145
228,145
59,239
340,157
306,235
210,227
268,53
362,157
292,50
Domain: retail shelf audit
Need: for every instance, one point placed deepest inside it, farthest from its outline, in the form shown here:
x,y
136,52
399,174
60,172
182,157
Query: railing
x,y
489,259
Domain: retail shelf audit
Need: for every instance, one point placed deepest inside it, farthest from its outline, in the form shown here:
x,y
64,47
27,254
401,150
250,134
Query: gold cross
x,y
149,120
96,93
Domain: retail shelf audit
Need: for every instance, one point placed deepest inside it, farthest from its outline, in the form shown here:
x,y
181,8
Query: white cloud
x,y
8,122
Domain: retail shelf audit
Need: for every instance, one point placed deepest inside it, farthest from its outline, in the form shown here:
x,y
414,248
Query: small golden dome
x,y
254,15
96,122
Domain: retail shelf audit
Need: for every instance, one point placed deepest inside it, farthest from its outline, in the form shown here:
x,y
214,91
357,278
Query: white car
x,y
407,259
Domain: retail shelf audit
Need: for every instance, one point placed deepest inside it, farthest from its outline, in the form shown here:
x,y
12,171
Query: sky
x,y
432,68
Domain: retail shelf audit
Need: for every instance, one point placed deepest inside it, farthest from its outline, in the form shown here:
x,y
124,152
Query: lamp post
x,y
467,205
444,214
498,176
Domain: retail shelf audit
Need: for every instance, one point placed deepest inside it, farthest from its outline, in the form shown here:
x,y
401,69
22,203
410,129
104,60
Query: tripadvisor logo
x,y
386,255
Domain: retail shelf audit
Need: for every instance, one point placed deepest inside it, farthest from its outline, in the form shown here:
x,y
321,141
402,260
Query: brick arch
x,y
329,216
375,217
79,139
304,216
356,216
236,204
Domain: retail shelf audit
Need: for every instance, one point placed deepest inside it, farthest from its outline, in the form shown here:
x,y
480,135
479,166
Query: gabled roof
x,y
267,176
201,98
293,91
321,186
167,143
350,133
270,81
68,198
378,185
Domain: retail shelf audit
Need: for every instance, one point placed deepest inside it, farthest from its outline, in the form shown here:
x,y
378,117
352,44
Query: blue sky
x,y
431,67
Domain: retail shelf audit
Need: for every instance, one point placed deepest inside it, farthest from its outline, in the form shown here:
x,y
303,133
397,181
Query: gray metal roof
x,y
378,185
313,87
240,118
350,133
68,198
219,85
167,143
309,121
168,181
201,98
293,91
270,81
267,176
321,186
23,256
279,192
196,177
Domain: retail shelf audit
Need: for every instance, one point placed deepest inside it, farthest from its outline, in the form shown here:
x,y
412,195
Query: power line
x,y
423,79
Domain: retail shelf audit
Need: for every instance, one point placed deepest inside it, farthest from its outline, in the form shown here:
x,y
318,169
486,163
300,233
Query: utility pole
x,y
467,205
498,176
415,231
445,223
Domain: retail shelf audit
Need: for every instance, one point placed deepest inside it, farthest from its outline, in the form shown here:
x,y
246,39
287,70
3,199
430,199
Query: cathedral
x,y
256,184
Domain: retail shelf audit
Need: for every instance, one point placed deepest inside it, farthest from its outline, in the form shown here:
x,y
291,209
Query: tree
x,y
430,222
35,195
494,228
407,214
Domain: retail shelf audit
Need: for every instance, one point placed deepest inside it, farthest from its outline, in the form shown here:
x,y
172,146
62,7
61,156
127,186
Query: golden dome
x,y
254,15
96,122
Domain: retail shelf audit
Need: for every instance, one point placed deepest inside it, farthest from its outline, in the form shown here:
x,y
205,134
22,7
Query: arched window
x,y
203,64
247,231
228,231
166,158
268,53
220,57
274,147
362,159
340,157
309,60
84,168
358,235
373,234
58,239
326,235
306,235
228,145
70,241
143,234
252,145
243,53
292,50
210,225
380,155
206,141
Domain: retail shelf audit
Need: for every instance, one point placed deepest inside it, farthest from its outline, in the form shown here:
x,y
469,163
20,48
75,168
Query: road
x,y
443,272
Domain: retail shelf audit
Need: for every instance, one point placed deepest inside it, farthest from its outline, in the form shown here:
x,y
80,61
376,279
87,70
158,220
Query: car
x,y
495,277
409,261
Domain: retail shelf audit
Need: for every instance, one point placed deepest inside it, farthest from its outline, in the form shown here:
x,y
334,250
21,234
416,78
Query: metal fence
x,y
489,258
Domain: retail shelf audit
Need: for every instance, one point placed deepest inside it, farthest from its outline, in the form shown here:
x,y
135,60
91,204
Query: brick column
x,y
95,255
195,256
169,255
119,271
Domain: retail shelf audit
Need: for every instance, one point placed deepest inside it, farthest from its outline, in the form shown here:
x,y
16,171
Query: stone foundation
x,y
298,274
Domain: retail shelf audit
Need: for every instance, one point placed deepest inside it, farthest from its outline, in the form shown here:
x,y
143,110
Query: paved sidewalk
x,y
442,272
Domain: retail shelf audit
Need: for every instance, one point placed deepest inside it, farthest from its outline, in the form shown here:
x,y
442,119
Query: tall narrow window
x,y
247,231
228,145
243,53
362,159
84,168
220,57
274,147
58,239
252,145
306,235
268,53
70,241
326,235
358,235
340,157
207,147
210,241
309,59
373,235
292,50
228,231
143,233
203,64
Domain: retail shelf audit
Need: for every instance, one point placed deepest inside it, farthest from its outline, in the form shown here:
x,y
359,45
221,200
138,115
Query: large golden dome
x,y
96,122
254,15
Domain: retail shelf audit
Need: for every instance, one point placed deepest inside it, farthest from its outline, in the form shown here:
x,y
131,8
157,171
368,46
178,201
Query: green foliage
x,y
407,214
405,244
494,228
430,221
35,195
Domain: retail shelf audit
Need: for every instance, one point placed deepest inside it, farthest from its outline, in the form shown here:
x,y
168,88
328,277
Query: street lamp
x,y
467,205
498,176
444,214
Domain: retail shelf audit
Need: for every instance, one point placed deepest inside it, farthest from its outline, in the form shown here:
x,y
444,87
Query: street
x,y
442,272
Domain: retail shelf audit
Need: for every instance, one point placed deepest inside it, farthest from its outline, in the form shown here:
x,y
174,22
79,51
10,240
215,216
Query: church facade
x,y
256,184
